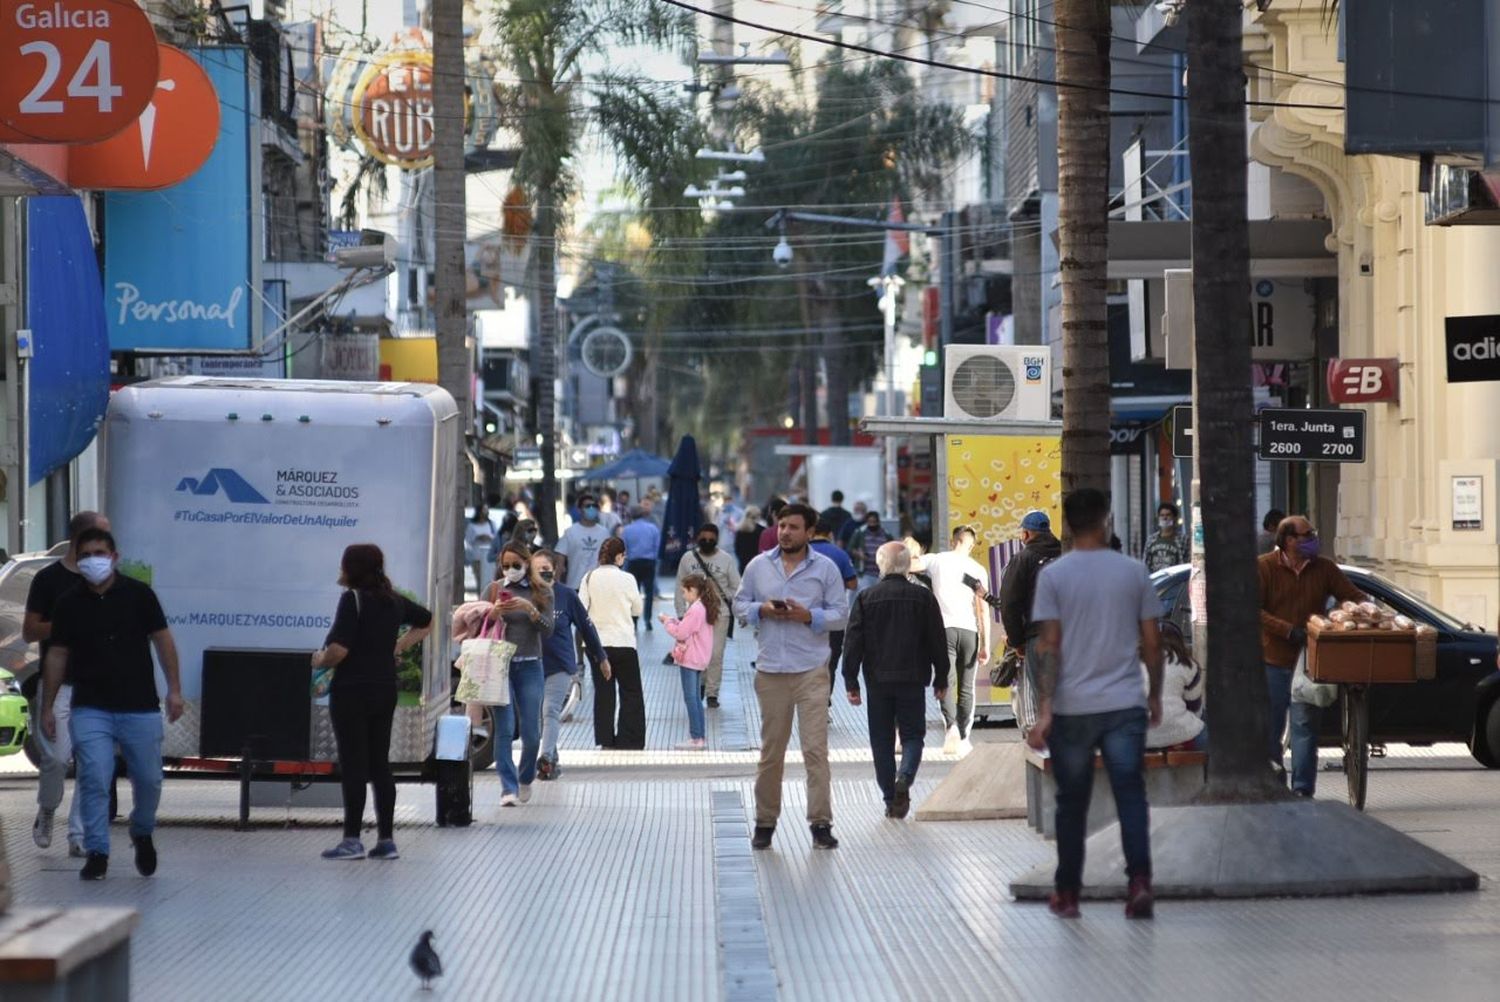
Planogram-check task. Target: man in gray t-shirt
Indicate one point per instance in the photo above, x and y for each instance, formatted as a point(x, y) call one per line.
point(1098, 616)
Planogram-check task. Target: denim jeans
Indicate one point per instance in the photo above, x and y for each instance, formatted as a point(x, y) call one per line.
point(1305, 720)
point(644, 572)
point(526, 686)
point(1120, 737)
point(95, 734)
point(55, 756)
point(691, 680)
point(888, 708)
point(555, 695)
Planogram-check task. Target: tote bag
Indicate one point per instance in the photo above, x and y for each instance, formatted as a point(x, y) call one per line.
point(484, 667)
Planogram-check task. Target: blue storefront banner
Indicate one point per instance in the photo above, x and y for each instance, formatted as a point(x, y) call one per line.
point(180, 264)
point(68, 384)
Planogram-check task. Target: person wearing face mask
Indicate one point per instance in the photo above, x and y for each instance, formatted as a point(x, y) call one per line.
point(614, 603)
point(560, 658)
point(722, 571)
point(1168, 547)
point(579, 546)
point(1296, 582)
point(103, 632)
point(525, 601)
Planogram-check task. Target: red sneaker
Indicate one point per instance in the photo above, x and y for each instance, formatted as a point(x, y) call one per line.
point(1064, 904)
point(1138, 900)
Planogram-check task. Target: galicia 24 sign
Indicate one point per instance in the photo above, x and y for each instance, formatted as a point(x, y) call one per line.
point(1473, 349)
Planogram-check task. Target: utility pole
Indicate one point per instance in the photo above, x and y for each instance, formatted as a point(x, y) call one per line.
point(455, 359)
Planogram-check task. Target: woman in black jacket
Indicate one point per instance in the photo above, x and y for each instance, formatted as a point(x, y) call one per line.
point(362, 647)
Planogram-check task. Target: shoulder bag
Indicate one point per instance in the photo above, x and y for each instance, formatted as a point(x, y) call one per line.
point(484, 666)
point(726, 607)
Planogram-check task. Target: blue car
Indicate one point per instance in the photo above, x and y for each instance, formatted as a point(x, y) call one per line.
point(1461, 704)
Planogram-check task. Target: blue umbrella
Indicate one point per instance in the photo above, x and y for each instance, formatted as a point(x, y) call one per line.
point(635, 464)
point(684, 511)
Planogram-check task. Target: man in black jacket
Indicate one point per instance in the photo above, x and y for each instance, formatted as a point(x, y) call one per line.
point(1017, 588)
point(896, 633)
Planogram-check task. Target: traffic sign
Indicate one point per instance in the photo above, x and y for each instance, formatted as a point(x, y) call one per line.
point(1312, 436)
point(74, 71)
point(1182, 431)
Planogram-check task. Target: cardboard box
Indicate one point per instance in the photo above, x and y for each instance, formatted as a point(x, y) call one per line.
point(1364, 657)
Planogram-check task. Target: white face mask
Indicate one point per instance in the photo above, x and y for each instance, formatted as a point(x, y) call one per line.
point(513, 575)
point(97, 569)
point(1166, 521)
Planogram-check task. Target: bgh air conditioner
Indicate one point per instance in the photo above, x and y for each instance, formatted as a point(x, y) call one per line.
point(997, 382)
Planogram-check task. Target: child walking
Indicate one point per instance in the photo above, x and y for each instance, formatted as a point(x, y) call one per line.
point(694, 634)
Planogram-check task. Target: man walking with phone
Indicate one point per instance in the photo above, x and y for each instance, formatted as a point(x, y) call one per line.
point(1098, 613)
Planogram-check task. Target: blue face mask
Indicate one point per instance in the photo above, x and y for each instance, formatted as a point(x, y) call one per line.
point(591, 513)
point(1309, 548)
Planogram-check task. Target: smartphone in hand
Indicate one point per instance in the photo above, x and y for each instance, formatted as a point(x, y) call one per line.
point(778, 604)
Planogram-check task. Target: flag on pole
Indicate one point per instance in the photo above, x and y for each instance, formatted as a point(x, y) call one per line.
point(897, 242)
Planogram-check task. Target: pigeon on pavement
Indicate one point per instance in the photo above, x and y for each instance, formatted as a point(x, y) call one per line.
point(424, 961)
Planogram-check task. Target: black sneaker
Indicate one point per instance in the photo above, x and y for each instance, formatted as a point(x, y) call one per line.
point(713, 702)
point(544, 768)
point(145, 855)
point(823, 837)
point(762, 837)
point(901, 802)
point(889, 810)
point(95, 867)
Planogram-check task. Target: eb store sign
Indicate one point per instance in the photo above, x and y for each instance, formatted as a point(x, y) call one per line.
point(1473, 348)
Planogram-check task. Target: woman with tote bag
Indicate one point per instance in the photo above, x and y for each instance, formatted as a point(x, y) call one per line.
point(524, 601)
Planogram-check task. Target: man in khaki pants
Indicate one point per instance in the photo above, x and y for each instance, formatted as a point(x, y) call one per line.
point(794, 597)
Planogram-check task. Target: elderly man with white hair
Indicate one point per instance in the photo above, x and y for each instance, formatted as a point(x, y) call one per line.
point(896, 635)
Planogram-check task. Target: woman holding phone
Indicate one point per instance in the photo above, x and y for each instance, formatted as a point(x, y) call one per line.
point(524, 601)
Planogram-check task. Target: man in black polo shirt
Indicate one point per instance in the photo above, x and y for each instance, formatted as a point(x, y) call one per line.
point(102, 634)
point(49, 585)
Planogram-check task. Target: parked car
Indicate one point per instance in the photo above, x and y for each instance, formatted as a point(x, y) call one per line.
point(17, 657)
point(1461, 704)
point(14, 724)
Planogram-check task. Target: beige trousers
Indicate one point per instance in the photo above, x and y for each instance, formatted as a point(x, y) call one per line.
point(780, 696)
point(714, 673)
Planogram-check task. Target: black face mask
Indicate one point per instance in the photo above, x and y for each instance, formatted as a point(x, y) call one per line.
point(548, 576)
point(708, 544)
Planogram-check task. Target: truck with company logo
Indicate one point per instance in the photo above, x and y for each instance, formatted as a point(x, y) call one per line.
point(234, 499)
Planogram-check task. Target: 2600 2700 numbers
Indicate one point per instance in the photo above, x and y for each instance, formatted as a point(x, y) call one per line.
point(1284, 448)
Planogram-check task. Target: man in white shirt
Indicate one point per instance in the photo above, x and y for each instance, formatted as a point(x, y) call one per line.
point(958, 581)
point(579, 546)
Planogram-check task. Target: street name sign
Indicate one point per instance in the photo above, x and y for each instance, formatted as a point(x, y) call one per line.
point(1312, 436)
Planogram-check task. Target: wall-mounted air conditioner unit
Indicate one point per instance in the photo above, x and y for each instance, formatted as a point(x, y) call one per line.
point(998, 382)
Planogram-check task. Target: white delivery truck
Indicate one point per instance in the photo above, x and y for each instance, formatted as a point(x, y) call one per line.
point(234, 499)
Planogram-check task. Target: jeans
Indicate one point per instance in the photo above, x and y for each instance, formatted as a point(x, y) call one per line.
point(1120, 737)
point(362, 718)
point(835, 651)
point(526, 686)
point(644, 572)
point(890, 707)
point(958, 703)
point(95, 734)
point(1305, 720)
point(625, 675)
point(690, 683)
point(55, 755)
point(554, 695)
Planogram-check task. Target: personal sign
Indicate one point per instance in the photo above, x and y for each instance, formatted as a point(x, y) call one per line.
point(74, 71)
point(1312, 436)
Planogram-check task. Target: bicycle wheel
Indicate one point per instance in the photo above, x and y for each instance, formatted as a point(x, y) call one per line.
point(1356, 713)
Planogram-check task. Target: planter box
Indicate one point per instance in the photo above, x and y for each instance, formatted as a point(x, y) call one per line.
point(1364, 657)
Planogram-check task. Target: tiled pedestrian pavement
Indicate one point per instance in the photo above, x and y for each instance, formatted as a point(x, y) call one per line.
point(627, 880)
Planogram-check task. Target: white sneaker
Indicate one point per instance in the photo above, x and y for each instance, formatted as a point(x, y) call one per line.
point(75, 850)
point(950, 741)
point(964, 747)
point(525, 795)
point(41, 829)
point(509, 800)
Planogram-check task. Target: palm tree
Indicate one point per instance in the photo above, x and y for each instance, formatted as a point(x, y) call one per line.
point(1237, 764)
point(546, 43)
point(1083, 43)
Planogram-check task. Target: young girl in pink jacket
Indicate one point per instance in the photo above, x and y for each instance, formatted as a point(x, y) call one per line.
point(694, 634)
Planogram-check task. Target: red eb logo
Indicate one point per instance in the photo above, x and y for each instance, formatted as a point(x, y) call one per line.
point(1364, 380)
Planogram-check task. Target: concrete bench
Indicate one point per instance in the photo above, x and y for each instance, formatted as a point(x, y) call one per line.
point(61, 955)
point(1173, 778)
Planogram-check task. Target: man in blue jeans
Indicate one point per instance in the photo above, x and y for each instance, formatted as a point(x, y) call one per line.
point(103, 631)
point(1098, 616)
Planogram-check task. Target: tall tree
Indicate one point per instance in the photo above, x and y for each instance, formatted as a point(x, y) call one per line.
point(1083, 41)
point(455, 364)
point(546, 42)
point(1237, 763)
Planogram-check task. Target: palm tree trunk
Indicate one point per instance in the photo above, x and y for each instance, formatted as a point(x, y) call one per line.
point(1083, 38)
point(1237, 760)
point(835, 361)
point(544, 253)
point(455, 363)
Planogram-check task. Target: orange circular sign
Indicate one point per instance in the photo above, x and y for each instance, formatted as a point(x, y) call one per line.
point(393, 114)
point(74, 70)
